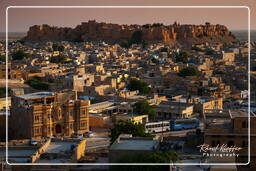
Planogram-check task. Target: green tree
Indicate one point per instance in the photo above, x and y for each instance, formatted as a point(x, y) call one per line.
point(3, 92)
point(157, 24)
point(210, 52)
point(219, 72)
point(38, 84)
point(20, 55)
point(61, 48)
point(2, 58)
point(181, 57)
point(56, 47)
point(128, 127)
point(146, 25)
point(136, 84)
point(144, 44)
point(189, 71)
point(125, 44)
point(142, 107)
point(154, 60)
point(154, 157)
point(58, 59)
point(136, 37)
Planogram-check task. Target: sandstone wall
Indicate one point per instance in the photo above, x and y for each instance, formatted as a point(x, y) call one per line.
point(114, 33)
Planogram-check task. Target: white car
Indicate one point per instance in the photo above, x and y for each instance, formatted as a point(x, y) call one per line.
point(33, 142)
point(88, 134)
point(80, 136)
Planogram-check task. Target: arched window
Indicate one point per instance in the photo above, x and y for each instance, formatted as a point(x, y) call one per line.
point(213, 143)
point(218, 142)
point(230, 143)
point(244, 144)
point(58, 128)
point(244, 124)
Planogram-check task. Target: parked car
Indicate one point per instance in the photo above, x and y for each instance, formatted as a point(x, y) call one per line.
point(77, 135)
point(88, 134)
point(33, 142)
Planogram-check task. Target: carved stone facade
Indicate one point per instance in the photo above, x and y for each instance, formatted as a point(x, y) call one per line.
point(44, 114)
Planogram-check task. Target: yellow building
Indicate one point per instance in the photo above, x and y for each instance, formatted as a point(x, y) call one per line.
point(44, 114)
point(133, 117)
point(3, 71)
point(173, 110)
point(3, 103)
point(231, 128)
point(206, 103)
point(100, 121)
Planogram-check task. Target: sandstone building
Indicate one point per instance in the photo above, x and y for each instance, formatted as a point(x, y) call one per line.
point(44, 114)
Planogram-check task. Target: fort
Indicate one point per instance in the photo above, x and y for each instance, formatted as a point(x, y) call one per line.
point(174, 34)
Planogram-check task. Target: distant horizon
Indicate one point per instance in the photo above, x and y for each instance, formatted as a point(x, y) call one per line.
point(27, 31)
point(72, 27)
point(171, 23)
point(20, 19)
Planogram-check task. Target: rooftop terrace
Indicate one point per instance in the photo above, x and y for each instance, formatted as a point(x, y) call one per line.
point(36, 95)
point(134, 143)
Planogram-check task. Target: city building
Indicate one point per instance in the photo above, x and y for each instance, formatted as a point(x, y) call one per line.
point(126, 145)
point(44, 114)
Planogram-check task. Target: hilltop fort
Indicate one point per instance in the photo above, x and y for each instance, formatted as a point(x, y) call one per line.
point(116, 33)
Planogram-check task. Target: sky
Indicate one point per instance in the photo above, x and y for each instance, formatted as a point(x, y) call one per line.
point(21, 19)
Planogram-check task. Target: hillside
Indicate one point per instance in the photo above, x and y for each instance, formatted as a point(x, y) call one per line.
point(115, 33)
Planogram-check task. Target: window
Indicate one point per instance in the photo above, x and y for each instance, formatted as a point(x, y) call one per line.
point(244, 124)
point(244, 144)
point(59, 113)
point(36, 118)
point(83, 124)
point(82, 112)
point(213, 143)
point(230, 143)
point(71, 113)
point(37, 131)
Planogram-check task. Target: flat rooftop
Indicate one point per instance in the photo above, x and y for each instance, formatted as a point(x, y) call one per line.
point(228, 114)
point(175, 104)
point(134, 144)
point(101, 104)
point(130, 115)
point(18, 155)
point(98, 115)
point(36, 95)
point(219, 123)
point(19, 151)
point(59, 146)
point(136, 97)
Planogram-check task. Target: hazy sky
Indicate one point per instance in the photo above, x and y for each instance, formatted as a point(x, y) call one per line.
point(21, 19)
